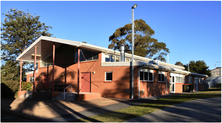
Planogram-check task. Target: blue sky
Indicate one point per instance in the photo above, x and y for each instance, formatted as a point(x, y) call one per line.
point(190, 29)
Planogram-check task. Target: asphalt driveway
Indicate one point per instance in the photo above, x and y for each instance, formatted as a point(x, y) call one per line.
point(201, 110)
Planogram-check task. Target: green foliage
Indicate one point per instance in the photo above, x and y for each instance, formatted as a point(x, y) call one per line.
point(144, 44)
point(10, 71)
point(179, 63)
point(19, 30)
point(198, 67)
point(26, 86)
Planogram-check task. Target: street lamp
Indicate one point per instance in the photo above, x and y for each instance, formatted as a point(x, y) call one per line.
point(133, 7)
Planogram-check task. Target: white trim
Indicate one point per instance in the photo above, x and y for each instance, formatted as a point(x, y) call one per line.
point(174, 74)
point(30, 72)
point(30, 78)
point(161, 72)
point(189, 77)
point(109, 72)
point(57, 40)
point(172, 83)
point(148, 71)
point(93, 47)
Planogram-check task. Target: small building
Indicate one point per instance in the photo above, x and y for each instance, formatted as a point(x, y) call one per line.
point(216, 72)
point(91, 71)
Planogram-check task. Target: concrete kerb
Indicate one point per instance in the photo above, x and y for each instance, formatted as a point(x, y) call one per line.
point(94, 111)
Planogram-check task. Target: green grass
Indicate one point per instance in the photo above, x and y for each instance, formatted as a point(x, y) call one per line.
point(145, 108)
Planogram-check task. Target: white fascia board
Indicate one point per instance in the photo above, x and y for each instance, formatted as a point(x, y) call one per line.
point(57, 40)
point(176, 74)
point(98, 48)
point(198, 74)
point(29, 48)
point(115, 64)
point(62, 41)
point(120, 63)
point(171, 65)
point(179, 71)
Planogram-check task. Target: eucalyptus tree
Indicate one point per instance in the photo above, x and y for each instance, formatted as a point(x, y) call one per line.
point(144, 44)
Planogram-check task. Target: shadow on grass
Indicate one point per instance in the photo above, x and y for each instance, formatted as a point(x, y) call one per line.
point(149, 106)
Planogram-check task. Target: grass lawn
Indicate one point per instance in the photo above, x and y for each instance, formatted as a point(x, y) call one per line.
point(145, 108)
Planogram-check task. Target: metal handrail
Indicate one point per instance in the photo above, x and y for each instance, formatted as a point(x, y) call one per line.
point(65, 89)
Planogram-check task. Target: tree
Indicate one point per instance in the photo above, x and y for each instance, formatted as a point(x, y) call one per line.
point(18, 31)
point(198, 67)
point(145, 45)
point(179, 63)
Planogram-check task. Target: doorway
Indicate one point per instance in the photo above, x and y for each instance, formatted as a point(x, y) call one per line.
point(85, 82)
point(172, 84)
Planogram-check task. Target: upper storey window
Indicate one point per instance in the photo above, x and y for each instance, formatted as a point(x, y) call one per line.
point(86, 55)
point(112, 58)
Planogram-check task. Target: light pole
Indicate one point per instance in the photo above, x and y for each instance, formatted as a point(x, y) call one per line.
point(188, 65)
point(133, 7)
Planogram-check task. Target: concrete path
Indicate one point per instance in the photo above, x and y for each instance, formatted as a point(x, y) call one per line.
point(59, 110)
point(201, 110)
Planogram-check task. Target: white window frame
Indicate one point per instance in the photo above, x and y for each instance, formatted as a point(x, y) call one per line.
point(30, 79)
point(161, 72)
point(181, 78)
point(190, 80)
point(109, 72)
point(148, 71)
point(110, 56)
point(199, 80)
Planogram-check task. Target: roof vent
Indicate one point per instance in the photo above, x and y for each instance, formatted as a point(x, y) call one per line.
point(154, 62)
point(122, 54)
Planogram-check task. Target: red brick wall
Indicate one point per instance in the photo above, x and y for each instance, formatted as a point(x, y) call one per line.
point(119, 87)
point(154, 88)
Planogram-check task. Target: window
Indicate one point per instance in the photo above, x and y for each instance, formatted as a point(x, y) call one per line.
point(161, 77)
point(199, 80)
point(87, 55)
point(31, 79)
point(109, 76)
point(179, 79)
point(113, 58)
point(109, 58)
point(171, 78)
point(146, 75)
point(190, 79)
point(117, 59)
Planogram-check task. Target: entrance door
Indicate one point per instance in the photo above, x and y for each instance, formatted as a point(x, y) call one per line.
point(172, 84)
point(85, 82)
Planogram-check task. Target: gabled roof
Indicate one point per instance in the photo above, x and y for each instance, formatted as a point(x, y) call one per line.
point(44, 49)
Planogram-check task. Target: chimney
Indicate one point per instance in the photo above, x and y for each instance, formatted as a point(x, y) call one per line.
point(122, 54)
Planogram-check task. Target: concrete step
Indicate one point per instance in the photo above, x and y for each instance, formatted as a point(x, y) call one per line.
point(27, 95)
point(68, 96)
